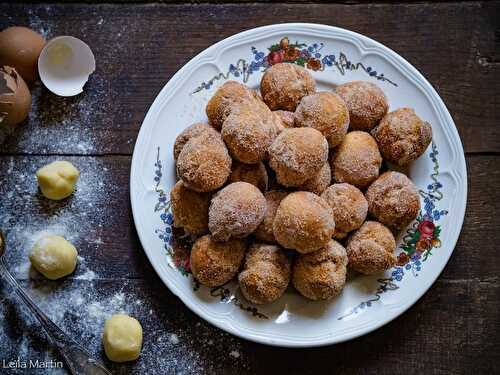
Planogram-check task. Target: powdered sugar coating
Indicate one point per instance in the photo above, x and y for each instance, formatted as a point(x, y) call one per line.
point(319, 182)
point(366, 102)
point(225, 99)
point(204, 164)
point(248, 132)
point(190, 209)
point(356, 160)
point(321, 275)
point(297, 155)
point(349, 207)
point(287, 118)
point(371, 248)
point(303, 222)
point(264, 231)
point(284, 85)
point(255, 174)
point(215, 263)
point(393, 199)
point(402, 136)
point(266, 273)
point(326, 112)
point(194, 130)
point(236, 211)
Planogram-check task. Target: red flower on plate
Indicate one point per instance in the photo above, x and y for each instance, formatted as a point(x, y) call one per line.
point(426, 229)
point(403, 258)
point(275, 57)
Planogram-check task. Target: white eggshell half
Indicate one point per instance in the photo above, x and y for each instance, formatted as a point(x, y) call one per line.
point(65, 65)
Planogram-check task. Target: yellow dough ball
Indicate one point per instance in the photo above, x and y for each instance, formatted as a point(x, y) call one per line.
point(53, 257)
point(122, 338)
point(57, 180)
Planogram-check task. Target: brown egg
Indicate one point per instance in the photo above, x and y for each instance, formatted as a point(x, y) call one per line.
point(20, 48)
point(15, 100)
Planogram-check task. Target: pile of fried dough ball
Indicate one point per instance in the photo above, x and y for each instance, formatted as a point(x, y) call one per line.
point(285, 185)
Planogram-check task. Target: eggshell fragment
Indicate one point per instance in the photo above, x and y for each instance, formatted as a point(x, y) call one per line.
point(65, 65)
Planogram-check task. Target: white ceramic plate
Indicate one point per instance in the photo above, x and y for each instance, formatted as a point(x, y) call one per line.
point(333, 56)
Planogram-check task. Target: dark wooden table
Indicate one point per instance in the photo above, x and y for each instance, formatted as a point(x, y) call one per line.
point(453, 329)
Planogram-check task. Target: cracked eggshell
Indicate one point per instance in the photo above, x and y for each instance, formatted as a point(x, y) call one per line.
point(15, 99)
point(65, 65)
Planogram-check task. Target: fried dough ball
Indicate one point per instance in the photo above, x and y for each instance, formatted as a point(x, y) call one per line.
point(393, 200)
point(326, 112)
point(204, 164)
point(266, 273)
point(349, 207)
point(321, 275)
point(287, 118)
point(264, 231)
point(303, 222)
point(225, 99)
point(297, 155)
point(357, 160)
point(371, 248)
point(215, 263)
point(402, 136)
point(248, 132)
point(255, 174)
point(195, 130)
point(318, 183)
point(284, 85)
point(236, 211)
point(190, 209)
point(366, 102)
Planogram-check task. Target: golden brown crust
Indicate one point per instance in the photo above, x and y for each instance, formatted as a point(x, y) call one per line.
point(225, 99)
point(366, 102)
point(264, 231)
point(326, 112)
point(356, 160)
point(194, 130)
point(255, 174)
point(266, 273)
point(190, 209)
point(349, 207)
point(236, 211)
point(298, 154)
point(402, 136)
point(215, 263)
point(321, 275)
point(371, 248)
point(393, 200)
point(319, 182)
point(287, 118)
point(284, 85)
point(303, 222)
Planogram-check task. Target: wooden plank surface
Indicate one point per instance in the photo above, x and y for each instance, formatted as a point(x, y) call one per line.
point(453, 329)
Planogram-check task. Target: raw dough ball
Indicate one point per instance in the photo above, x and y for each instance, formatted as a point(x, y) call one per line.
point(321, 275)
point(190, 209)
point(287, 118)
point(204, 164)
point(57, 180)
point(297, 155)
point(122, 338)
point(357, 160)
point(303, 222)
point(284, 85)
point(349, 207)
point(264, 231)
point(236, 211)
point(53, 257)
point(326, 112)
point(248, 132)
point(215, 263)
point(402, 136)
point(318, 183)
point(225, 99)
point(366, 102)
point(371, 248)
point(393, 200)
point(254, 174)
point(266, 273)
point(195, 130)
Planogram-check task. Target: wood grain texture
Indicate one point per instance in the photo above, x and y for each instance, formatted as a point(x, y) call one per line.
point(139, 47)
